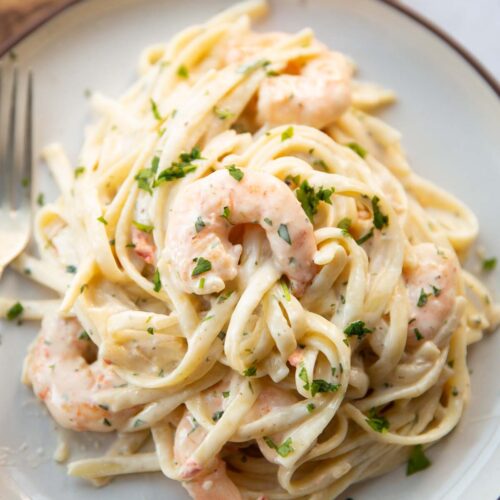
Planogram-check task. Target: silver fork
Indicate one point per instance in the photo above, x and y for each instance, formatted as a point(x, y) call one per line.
point(16, 170)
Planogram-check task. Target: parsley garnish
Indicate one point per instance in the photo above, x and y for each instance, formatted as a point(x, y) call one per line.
point(345, 225)
point(217, 415)
point(143, 227)
point(199, 224)
point(71, 269)
point(102, 220)
point(268, 221)
point(284, 234)
point(320, 385)
point(489, 264)
point(235, 172)
point(283, 450)
point(379, 219)
point(361, 151)
point(287, 134)
point(358, 329)
point(107, 422)
point(150, 330)
point(222, 114)
point(182, 71)
point(226, 213)
point(417, 333)
point(377, 422)
point(286, 291)
point(223, 297)
point(84, 336)
point(201, 285)
point(154, 109)
point(366, 237)
point(156, 281)
point(79, 171)
point(310, 407)
point(202, 266)
point(250, 372)
point(417, 461)
point(145, 177)
point(40, 200)
point(309, 198)
point(15, 311)
point(303, 376)
point(180, 168)
point(422, 299)
point(225, 394)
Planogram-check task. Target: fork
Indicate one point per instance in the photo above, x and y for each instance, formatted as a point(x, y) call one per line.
point(16, 170)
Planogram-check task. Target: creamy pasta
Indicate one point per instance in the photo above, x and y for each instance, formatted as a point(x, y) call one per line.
point(251, 276)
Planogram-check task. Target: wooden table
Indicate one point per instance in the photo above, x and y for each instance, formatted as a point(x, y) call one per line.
point(19, 16)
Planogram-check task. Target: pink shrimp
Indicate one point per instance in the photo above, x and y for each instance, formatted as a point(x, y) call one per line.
point(315, 97)
point(144, 246)
point(211, 483)
point(204, 213)
point(431, 283)
point(59, 370)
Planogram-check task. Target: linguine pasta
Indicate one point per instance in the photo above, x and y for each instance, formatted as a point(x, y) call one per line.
point(251, 275)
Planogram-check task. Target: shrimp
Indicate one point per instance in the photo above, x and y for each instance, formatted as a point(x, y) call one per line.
point(201, 484)
point(432, 284)
point(315, 97)
point(58, 369)
point(204, 213)
point(144, 246)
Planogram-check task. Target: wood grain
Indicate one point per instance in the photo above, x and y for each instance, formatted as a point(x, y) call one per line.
point(18, 17)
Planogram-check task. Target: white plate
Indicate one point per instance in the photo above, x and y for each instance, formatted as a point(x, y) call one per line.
point(450, 120)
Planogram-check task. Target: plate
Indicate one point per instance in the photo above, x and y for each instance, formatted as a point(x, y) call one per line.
point(449, 117)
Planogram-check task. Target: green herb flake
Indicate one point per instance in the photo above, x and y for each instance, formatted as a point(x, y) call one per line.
point(417, 461)
point(422, 299)
point(268, 221)
point(180, 168)
point(303, 376)
point(71, 269)
point(489, 264)
point(201, 285)
point(358, 329)
point(199, 224)
point(311, 407)
point(320, 385)
point(79, 171)
point(250, 372)
point(143, 227)
point(284, 234)
point(107, 422)
point(182, 71)
point(235, 172)
point(345, 225)
point(102, 220)
point(15, 311)
point(379, 219)
point(40, 200)
point(417, 333)
point(155, 110)
point(365, 237)
point(226, 213)
point(287, 134)
point(138, 423)
point(222, 113)
point(223, 297)
point(156, 281)
point(286, 291)
point(151, 330)
point(309, 198)
point(84, 336)
point(217, 415)
point(361, 151)
point(202, 266)
point(145, 177)
point(283, 450)
point(377, 422)
point(226, 394)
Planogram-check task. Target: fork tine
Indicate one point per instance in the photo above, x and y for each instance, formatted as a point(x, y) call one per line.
point(27, 162)
point(11, 137)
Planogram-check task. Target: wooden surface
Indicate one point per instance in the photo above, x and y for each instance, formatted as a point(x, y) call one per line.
point(19, 16)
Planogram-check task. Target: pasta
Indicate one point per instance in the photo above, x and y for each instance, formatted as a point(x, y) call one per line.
point(251, 276)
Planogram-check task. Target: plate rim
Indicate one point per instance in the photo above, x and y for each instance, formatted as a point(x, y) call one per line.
point(410, 13)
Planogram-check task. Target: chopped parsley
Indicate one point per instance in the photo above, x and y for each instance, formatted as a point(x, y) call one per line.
point(222, 113)
point(79, 171)
point(309, 198)
point(84, 336)
point(156, 281)
point(143, 227)
point(379, 219)
point(417, 461)
point(225, 394)
point(320, 385)
point(201, 285)
point(377, 422)
point(102, 220)
point(365, 237)
point(360, 150)
point(40, 200)
point(358, 329)
point(226, 213)
point(311, 407)
point(287, 134)
point(283, 450)
point(106, 422)
point(436, 291)
point(345, 225)
point(223, 297)
point(150, 330)
point(250, 372)
point(145, 177)
point(284, 234)
point(217, 415)
point(180, 168)
point(15, 311)
point(235, 172)
point(138, 423)
point(202, 266)
point(199, 224)
point(182, 71)
point(268, 221)
point(489, 264)
point(154, 109)
point(286, 291)
point(422, 299)
point(417, 333)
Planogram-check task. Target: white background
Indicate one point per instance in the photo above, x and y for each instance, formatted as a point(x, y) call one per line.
point(473, 23)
